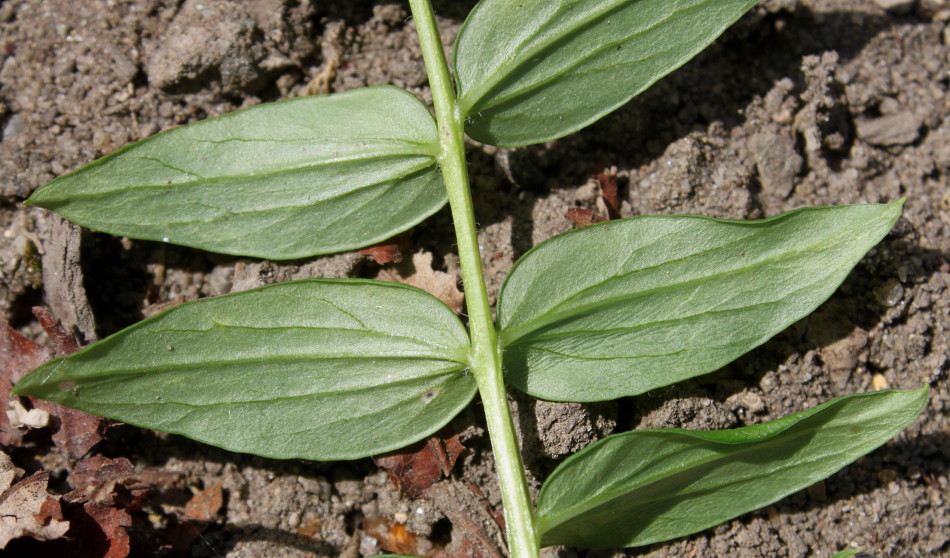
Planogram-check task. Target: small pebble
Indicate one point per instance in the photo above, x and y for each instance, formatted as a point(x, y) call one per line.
point(899, 128)
point(887, 475)
point(895, 6)
point(879, 382)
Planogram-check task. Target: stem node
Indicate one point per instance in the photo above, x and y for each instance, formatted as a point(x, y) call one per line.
point(523, 541)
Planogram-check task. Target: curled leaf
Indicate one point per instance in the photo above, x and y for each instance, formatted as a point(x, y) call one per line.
point(26, 508)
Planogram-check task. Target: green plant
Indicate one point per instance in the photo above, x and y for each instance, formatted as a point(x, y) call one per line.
point(339, 369)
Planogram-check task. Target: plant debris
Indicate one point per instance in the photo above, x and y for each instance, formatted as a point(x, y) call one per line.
point(440, 284)
point(416, 468)
point(581, 217)
point(383, 253)
point(610, 193)
point(26, 508)
point(394, 537)
point(205, 504)
point(74, 432)
point(18, 355)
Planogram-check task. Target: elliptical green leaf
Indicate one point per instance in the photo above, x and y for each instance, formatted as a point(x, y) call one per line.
point(627, 306)
point(649, 486)
point(339, 172)
point(536, 70)
point(318, 369)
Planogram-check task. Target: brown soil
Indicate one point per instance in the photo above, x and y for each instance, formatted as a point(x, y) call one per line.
point(804, 102)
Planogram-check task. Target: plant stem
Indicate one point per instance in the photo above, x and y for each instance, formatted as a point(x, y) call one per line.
point(485, 356)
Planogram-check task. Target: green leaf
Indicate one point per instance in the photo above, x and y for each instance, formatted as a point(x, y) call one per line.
point(536, 70)
point(627, 306)
point(847, 553)
point(648, 486)
point(307, 176)
point(317, 369)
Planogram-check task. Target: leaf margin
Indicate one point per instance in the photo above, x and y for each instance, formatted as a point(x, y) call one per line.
point(53, 195)
point(917, 400)
point(26, 386)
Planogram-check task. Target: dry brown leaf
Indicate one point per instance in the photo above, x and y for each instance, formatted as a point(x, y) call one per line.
point(61, 342)
point(74, 432)
point(440, 284)
point(205, 504)
point(477, 528)
point(18, 355)
point(393, 537)
point(113, 522)
point(416, 468)
point(609, 192)
point(115, 482)
point(26, 508)
point(8, 471)
point(383, 253)
point(97, 477)
point(106, 491)
point(579, 216)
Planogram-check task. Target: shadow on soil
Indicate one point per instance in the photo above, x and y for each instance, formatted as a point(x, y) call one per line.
point(692, 97)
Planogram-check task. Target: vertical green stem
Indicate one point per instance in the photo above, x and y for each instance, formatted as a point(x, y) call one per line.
point(486, 352)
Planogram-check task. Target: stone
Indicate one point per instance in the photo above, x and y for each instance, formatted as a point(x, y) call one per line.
point(896, 6)
point(209, 45)
point(899, 128)
point(777, 161)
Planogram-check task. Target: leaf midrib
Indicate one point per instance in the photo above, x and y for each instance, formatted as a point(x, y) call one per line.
point(509, 336)
point(583, 508)
point(226, 178)
point(449, 373)
point(468, 100)
point(569, 71)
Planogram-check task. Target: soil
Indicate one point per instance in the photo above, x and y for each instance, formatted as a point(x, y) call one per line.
point(802, 103)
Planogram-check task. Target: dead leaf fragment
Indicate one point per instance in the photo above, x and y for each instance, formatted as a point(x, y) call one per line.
point(19, 416)
point(115, 482)
point(113, 522)
point(106, 491)
point(393, 537)
point(205, 504)
point(97, 476)
point(74, 432)
point(8, 471)
point(440, 284)
point(61, 342)
point(28, 510)
point(309, 527)
point(610, 193)
point(18, 356)
point(414, 469)
point(383, 253)
point(477, 528)
point(579, 216)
